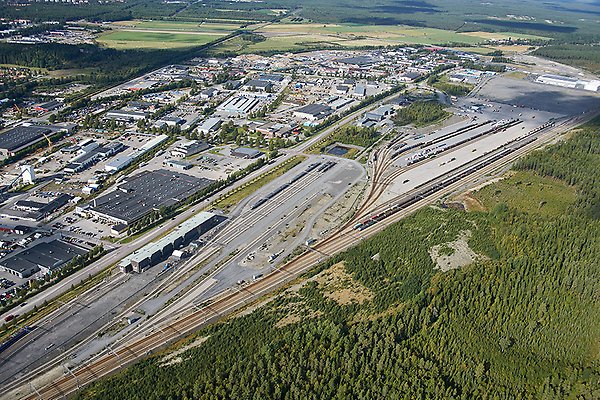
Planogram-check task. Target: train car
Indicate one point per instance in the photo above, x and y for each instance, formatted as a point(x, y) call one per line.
point(14, 338)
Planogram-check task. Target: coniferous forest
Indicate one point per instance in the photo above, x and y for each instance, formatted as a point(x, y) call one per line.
point(519, 322)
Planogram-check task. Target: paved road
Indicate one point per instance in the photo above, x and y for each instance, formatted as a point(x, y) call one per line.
point(126, 249)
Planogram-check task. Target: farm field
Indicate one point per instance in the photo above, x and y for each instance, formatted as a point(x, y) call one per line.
point(123, 39)
point(288, 36)
point(177, 26)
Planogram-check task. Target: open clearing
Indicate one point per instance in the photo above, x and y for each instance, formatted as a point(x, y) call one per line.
point(528, 192)
point(124, 39)
point(184, 27)
point(163, 34)
point(294, 36)
point(454, 254)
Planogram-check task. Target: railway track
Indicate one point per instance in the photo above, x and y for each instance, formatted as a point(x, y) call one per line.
point(115, 359)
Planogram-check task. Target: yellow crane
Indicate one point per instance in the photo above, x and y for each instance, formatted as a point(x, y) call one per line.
point(49, 141)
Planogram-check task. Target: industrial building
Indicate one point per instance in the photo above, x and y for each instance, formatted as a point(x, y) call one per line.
point(568, 82)
point(157, 251)
point(37, 210)
point(313, 112)
point(210, 125)
point(245, 152)
point(208, 93)
point(126, 116)
point(46, 257)
point(49, 106)
point(20, 137)
point(360, 91)
point(339, 103)
point(190, 148)
point(380, 113)
point(141, 194)
point(238, 105)
point(275, 78)
point(169, 121)
point(256, 85)
point(409, 76)
point(275, 129)
point(118, 163)
point(90, 154)
point(178, 164)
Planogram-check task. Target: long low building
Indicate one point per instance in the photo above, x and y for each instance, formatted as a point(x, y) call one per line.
point(157, 251)
point(20, 137)
point(239, 105)
point(569, 82)
point(118, 163)
point(313, 112)
point(141, 194)
point(46, 257)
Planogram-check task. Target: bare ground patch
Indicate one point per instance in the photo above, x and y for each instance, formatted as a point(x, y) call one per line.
point(455, 254)
point(175, 357)
point(339, 286)
point(336, 284)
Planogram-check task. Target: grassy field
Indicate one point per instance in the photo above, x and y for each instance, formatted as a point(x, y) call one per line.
point(177, 26)
point(123, 39)
point(528, 192)
point(295, 36)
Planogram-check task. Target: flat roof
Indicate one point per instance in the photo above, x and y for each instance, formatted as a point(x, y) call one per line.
point(20, 136)
point(558, 78)
point(313, 109)
point(257, 83)
point(246, 151)
point(147, 191)
point(50, 255)
point(179, 231)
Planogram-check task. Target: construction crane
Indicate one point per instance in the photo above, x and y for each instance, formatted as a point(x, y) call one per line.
point(49, 141)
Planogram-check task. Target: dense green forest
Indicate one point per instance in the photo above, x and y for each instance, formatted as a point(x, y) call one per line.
point(354, 135)
point(580, 55)
point(521, 321)
point(577, 17)
point(104, 64)
point(421, 113)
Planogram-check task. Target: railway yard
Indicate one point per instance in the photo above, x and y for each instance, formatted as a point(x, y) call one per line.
point(269, 238)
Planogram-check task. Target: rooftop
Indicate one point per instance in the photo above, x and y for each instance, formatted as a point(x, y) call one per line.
point(20, 136)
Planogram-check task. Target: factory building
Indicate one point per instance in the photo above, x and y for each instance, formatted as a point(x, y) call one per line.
point(360, 91)
point(380, 113)
point(190, 148)
point(568, 82)
point(126, 116)
point(143, 193)
point(245, 152)
point(208, 93)
point(46, 257)
point(157, 251)
point(238, 105)
point(90, 154)
point(313, 112)
point(274, 78)
point(36, 210)
point(20, 137)
point(178, 164)
point(255, 85)
point(118, 163)
point(210, 125)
